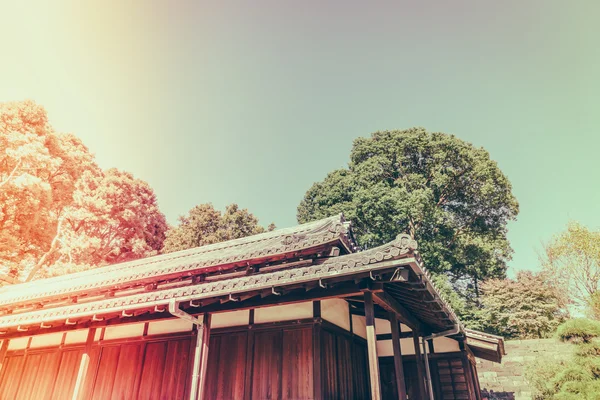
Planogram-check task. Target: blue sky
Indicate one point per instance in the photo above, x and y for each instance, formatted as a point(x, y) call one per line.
point(252, 102)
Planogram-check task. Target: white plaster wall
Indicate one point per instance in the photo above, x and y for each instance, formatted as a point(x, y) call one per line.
point(123, 331)
point(407, 346)
point(283, 313)
point(382, 326)
point(404, 328)
point(337, 312)
point(50, 339)
point(79, 336)
point(445, 345)
point(233, 318)
point(169, 326)
point(384, 348)
point(18, 343)
point(359, 326)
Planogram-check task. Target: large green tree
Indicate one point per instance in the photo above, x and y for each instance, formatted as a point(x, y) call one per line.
point(443, 191)
point(205, 225)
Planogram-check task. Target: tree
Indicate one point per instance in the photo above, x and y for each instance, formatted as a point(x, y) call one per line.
point(113, 218)
point(524, 308)
point(594, 306)
point(572, 258)
point(58, 210)
point(450, 196)
point(38, 171)
point(204, 225)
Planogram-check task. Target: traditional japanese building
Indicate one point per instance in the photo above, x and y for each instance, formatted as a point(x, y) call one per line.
point(295, 313)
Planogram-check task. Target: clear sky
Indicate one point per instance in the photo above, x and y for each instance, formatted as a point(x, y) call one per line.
point(253, 101)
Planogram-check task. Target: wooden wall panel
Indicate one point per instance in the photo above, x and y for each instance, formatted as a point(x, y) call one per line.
point(46, 376)
point(453, 380)
point(227, 366)
point(128, 371)
point(297, 372)
point(154, 362)
point(344, 368)
point(329, 365)
point(107, 370)
point(11, 378)
point(177, 370)
point(29, 376)
point(360, 371)
point(67, 374)
point(266, 365)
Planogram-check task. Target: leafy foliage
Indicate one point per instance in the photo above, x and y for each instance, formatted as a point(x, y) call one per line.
point(38, 171)
point(443, 191)
point(573, 258)
point(527, 307)
point(578, 330)
point(204, 225)
point(575, 378)
point(58, 208)
point(593, 306)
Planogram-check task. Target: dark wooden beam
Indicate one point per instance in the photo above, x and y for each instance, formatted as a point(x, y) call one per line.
point(388, 336)
point(398, 366)
point(391, 305)
point(372, 347)
point(420, 366)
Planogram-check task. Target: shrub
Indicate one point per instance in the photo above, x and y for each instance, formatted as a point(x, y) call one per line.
point(591, 349)
point(579, 330)
point(591, 364)
point(587, 390)
point(573, 373)
point(540, 374)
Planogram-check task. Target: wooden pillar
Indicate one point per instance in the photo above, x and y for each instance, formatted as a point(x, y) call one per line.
point(468, 371)
point(205, 335)
point(398, 366)
point(317, 351)
point(83, 366)
point(419, 358)
point(372, 347)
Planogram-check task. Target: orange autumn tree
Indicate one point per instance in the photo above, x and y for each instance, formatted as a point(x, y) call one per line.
point(42, 218)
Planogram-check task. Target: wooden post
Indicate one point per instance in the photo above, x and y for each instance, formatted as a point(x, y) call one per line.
point(398, 366)
point(372, 347)
point(83, 366)
point(419, 359)
point(468, 371)
point(317, 351)
point(204, 360)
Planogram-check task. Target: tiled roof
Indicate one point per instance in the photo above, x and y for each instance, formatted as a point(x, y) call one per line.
point(269, 244)
point(335, 267)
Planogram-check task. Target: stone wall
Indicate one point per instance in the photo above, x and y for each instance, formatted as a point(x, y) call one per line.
point(507, 380)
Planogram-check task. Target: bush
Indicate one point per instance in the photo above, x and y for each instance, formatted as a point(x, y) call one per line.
point(591, 364)
point(588, 390)
point(540, 374)
point(579, 330)
point(573, 373)
point(591, 349)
